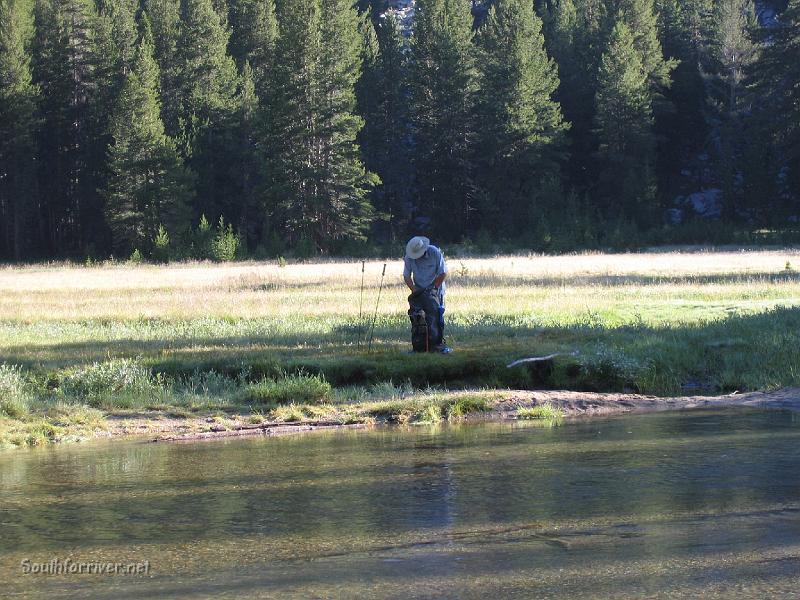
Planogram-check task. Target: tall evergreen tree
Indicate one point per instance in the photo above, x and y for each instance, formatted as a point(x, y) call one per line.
point(255, 29)
point(444, 83)
point(164, 16)
point(682, 132)
point(246, 208)
point(574, 37)
point(319, 186)
point(18, 124)
point(776, 78)
point(148, 186)
point(207, 83)
point(640, 17)
point(72, 70)
point(522, 129)
point(624, 123)
point(731, 52)
point(385, 138)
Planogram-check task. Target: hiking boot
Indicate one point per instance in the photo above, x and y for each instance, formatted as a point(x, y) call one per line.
point(442, 349)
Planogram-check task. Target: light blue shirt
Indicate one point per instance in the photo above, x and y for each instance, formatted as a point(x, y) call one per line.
point(426, 268)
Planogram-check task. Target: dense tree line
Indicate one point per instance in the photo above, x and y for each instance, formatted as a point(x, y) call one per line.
point(311, 126)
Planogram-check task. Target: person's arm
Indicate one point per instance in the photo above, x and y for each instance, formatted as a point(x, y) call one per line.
point(407, 274)
point(442, 270)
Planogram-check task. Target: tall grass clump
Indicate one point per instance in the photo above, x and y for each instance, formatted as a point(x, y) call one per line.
point(545, 412)
point(300, 388)
point(118, 383)
point(463, 406)
point(16, 396)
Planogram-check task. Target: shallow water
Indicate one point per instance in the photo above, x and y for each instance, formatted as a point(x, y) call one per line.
point(654, 505)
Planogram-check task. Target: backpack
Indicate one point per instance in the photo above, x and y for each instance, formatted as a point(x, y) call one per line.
point(420, 337)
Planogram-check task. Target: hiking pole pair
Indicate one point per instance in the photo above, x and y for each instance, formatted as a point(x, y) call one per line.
point(377, 302)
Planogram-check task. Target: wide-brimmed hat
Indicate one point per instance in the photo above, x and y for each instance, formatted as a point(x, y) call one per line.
point(417, 246)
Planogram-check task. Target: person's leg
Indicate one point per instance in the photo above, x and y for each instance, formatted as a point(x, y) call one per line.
point(430, 304)
point(441, 319)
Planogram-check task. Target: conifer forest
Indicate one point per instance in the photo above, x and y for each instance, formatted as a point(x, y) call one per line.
point(169, 129)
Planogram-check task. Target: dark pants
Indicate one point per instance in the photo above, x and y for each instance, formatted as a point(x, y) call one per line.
point(433, 304)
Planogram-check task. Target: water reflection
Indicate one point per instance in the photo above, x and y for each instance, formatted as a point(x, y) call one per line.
point(639, 505)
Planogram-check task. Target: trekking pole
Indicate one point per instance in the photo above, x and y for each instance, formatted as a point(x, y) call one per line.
point(374, 318)
point(360, 306)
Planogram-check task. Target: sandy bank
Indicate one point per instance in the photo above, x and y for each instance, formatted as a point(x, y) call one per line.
point(504, 406)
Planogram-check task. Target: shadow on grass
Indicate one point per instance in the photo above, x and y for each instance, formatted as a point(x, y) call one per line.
point(740, 352)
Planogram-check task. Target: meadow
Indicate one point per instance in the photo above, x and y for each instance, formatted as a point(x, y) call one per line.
point(272, 339)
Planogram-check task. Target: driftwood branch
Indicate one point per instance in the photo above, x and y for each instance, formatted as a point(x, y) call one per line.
point(540, 358)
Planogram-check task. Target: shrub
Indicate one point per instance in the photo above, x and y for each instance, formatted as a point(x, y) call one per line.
point(135, 257)
point(226, 243)
point(15, 392)
point(120, 383)
point(300, 388)
point(161, 249)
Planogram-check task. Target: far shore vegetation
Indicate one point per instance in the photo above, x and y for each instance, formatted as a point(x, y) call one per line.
point(277, 341)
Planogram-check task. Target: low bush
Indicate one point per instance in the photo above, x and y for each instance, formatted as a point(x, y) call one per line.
point(118, 383)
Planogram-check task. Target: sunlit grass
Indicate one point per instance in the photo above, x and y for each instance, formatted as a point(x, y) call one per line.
point(544, 411)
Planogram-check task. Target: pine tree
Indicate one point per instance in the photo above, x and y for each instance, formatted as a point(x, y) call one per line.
point(640, 17)
point(624, 123)
point(255, 29)
point(164, 16)
point(318, 185)
point(120, 16)
point(382, 101)
point(245, 206)
point(682, 132)
point(732, 50)
point(575, 39)
point(149, 187)
point(70, 67)
point(522, 131)
point(444, 83)
point(731, 53)
point(776, 79)
point(207, 83)
point(18, 124)
point(207, 75)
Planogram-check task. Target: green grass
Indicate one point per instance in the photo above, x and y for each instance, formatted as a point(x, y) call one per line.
point(254, 338)
point(545, 411)
point(289, 388)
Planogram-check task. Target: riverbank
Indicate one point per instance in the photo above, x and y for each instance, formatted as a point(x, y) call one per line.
point(487, 406)
point(547, 407)
point(85, 350)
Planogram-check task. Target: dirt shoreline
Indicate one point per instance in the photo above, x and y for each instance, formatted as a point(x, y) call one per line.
point(505, 406)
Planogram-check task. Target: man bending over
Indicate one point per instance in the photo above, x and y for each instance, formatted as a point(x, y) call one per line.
point(424, 274)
